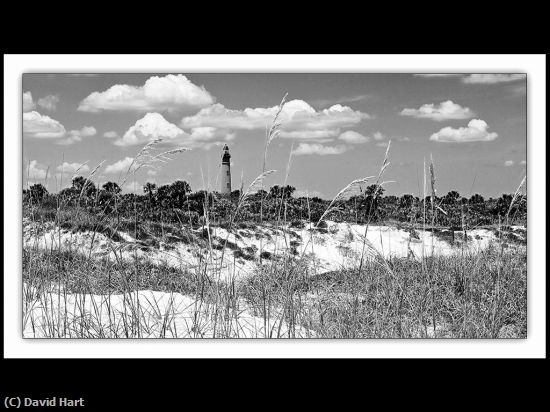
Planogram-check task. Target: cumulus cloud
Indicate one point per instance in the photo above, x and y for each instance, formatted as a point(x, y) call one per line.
point(491, 78)
point(318, 149)
point(299, 119)
point(379, 136)
point(70, 168)
point(154, 126)
point(169, 93)
point(509, 163)
point(444, 111)
point(207, 137)
point(150, 127)
point(41, 126)
point(35, 171)
point(28, 103)
point(110, 135)
point(120, 166)
point(76, 135)
point(353, 137)
point(317, 135)
point(49, 102)
point(476, 131)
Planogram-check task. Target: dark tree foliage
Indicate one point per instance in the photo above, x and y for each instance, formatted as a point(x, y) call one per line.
point(281, 191)
point(37, 192)
point(111, 187)
point(177, 203)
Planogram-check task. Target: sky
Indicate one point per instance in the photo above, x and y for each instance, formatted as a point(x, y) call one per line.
point(335, 128)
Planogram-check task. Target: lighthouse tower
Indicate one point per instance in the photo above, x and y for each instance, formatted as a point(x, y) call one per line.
point(226, 172)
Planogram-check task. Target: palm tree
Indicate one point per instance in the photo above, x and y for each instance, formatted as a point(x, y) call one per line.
point(372, 194)
point(84, 186)
point(150, 189)
point(178, 190)
point(112, 187)
point(476, 199)
point(451, 198)
point(163, 195)
point(37, 192)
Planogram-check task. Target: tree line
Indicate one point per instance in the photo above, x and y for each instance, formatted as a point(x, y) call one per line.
point(176, 202)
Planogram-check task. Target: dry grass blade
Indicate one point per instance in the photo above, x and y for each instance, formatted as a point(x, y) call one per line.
point(146, 159)
point(256, 183)
point(432, 180)
point(80, 167)
point(514, 198)
point(274, 130)
point(89, 179)
point(341, 194)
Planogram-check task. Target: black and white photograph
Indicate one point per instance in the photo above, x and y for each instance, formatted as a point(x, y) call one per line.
point(274, 205)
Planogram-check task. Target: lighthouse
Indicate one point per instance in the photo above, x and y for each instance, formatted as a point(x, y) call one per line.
point(226, 172)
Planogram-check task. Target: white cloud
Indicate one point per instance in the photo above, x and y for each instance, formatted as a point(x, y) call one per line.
point(49, 102)
point(475, 132)
point(120, 166)
point(356, 138)
point(28, 104)
point(317, 135)
point(207, 137)
point(523, 163)
point(489, 78)
point(35, 171)
point(110, 135)
point(151, 172)
point(318, 149)
point(298, 119)
point(509, 163)
point(209, 133)
point(70, 168)
point(353, 137)
point(154, 126)
point(168, 93)
point(76, 135)
point(42, 126)
point(150, 127)
point(444, 111)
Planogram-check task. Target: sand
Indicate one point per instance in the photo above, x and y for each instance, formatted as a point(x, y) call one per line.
point(341, 245)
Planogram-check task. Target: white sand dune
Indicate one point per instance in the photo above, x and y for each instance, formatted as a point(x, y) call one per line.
point(53, 313)
point(159, 315)
point(341, 245)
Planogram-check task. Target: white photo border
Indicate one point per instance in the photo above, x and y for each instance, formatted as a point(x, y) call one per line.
point(532, 347)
